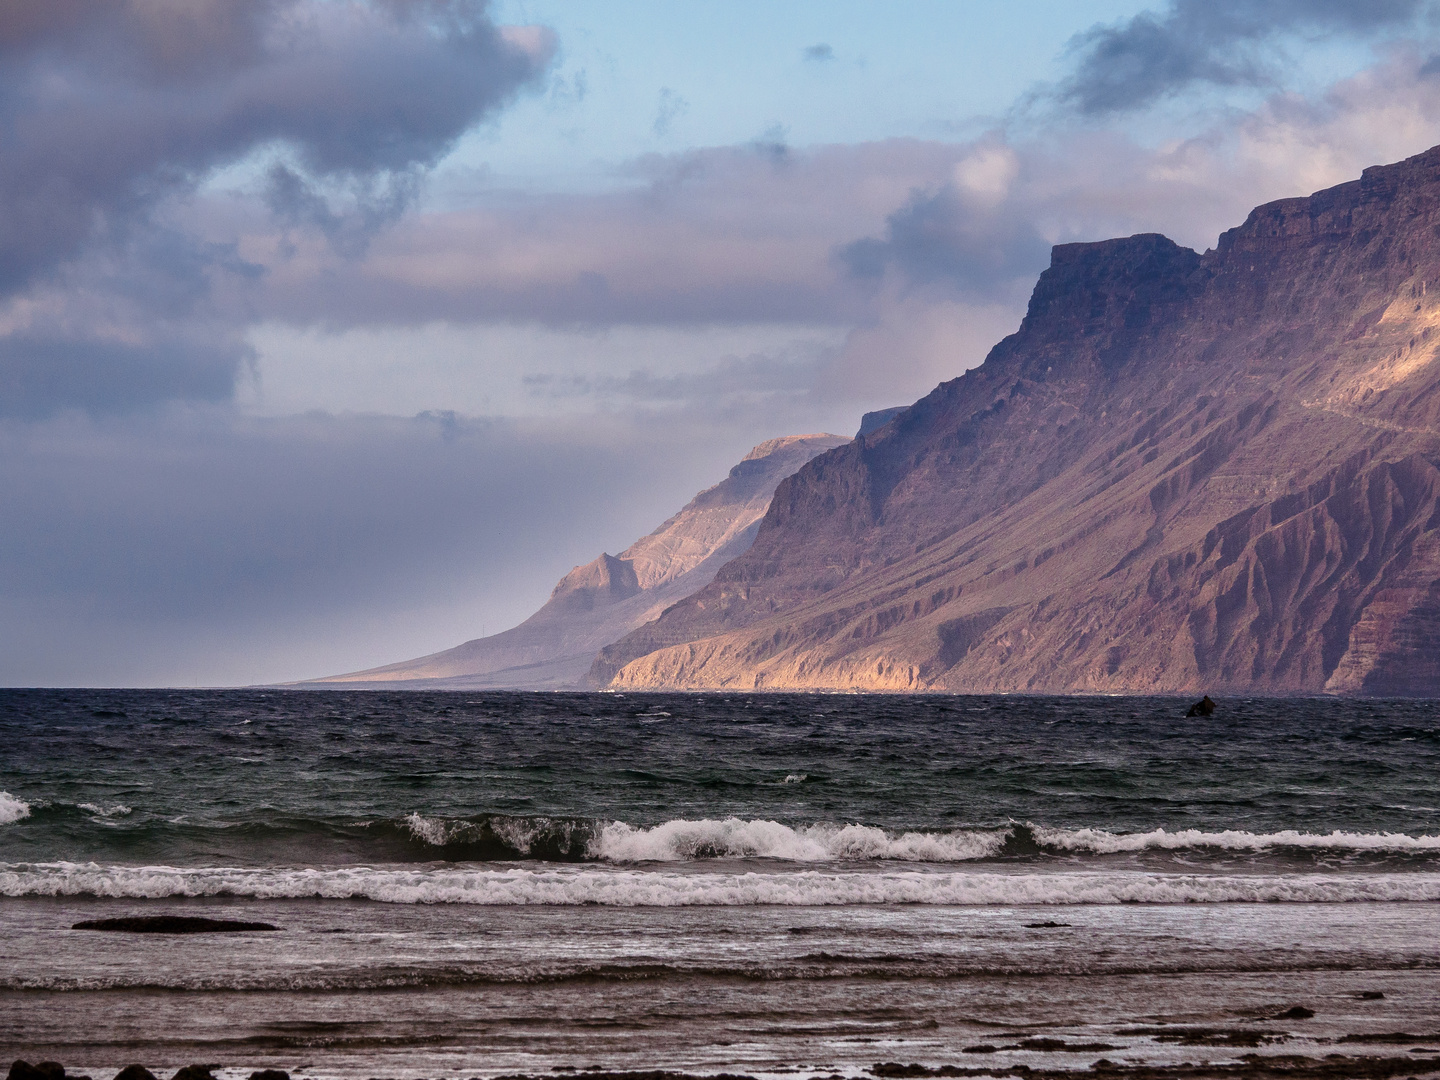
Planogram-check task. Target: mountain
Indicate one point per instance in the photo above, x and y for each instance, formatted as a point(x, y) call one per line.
point(603, 600)
point(1183, 473)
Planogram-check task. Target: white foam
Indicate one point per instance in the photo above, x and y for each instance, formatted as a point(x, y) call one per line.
point(1100, 842)
point(738, 838)
point(663, 888)
point(430, 830)
point(519, 834)
point(118, 810)
point(12, 809)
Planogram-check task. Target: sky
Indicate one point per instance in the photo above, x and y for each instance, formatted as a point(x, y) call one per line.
point(333, 332)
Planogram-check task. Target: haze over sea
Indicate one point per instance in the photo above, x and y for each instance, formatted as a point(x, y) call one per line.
point(477, 884)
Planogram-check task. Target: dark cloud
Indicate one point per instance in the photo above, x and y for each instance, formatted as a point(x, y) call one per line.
point(968, 239)
point(108, 110)
point(1152, 56)
point(819, 53)
point(937, 240)
point(351, 213)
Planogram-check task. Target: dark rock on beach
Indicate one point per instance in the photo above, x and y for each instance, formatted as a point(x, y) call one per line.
point(1296, 1012)
point(1051, 1046)
point(46, 1070)
point(269, 1074)
point(172, 924)
point(135, 1072)
point(1203, 707)
point(1202, 1036)
point(194, 1072)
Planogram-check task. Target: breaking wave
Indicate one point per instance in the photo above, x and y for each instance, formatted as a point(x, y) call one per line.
point(132, 834)
point(12, 809)
point(613, 886)
point(685, 840)
point(735, 838)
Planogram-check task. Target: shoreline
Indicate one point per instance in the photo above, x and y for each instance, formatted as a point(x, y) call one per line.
point(1247, 1067)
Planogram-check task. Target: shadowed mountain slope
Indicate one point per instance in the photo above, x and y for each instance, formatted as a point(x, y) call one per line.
point(1184, 472)
point(603, 600)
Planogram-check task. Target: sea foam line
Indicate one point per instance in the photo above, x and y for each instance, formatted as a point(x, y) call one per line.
point(566, 886)
point(1101, 842)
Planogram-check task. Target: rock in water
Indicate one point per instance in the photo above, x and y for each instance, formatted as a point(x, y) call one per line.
point(269, 1074)
point(1296, 1012)
point(1203, 707)
point(135, 1072)
point(172, 924)
point(194, 1072)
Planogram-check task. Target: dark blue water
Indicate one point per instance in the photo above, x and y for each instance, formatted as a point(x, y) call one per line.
point(255, 777)
point(264, 775)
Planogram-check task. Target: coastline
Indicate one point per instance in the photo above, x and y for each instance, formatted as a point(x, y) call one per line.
point(1248, 1067)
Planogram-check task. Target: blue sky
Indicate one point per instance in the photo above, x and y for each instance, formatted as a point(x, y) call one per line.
point(632, 78)
point(333, 331)
point(662, 77)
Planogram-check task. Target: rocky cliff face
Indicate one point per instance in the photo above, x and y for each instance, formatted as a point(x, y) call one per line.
point(1184, 472)
point(605, 599)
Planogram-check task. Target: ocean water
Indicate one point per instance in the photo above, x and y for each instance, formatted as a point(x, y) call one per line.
point(472, 884)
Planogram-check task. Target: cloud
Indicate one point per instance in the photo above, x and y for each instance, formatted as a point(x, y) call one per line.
point(1144, 59)
point(819, 53)
point(110, 111)
point(847, 237)
point(983, 232)
point(960, 234)
point(730, 235)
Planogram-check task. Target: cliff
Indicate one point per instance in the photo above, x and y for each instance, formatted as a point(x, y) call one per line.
point(1183, 472)
point(605, 599)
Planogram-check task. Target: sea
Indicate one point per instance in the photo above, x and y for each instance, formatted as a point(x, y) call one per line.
point(498, 884)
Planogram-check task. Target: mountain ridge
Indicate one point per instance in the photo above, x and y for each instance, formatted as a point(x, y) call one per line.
point(603, 599)
point(1183, 472)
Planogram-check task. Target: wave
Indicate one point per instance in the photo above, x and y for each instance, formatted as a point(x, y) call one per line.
point(12, 809)
point(418, 837)
point(500, 837)
point(1101, 842)
point(612, 886)
point(737, 838)
point(685, 840)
